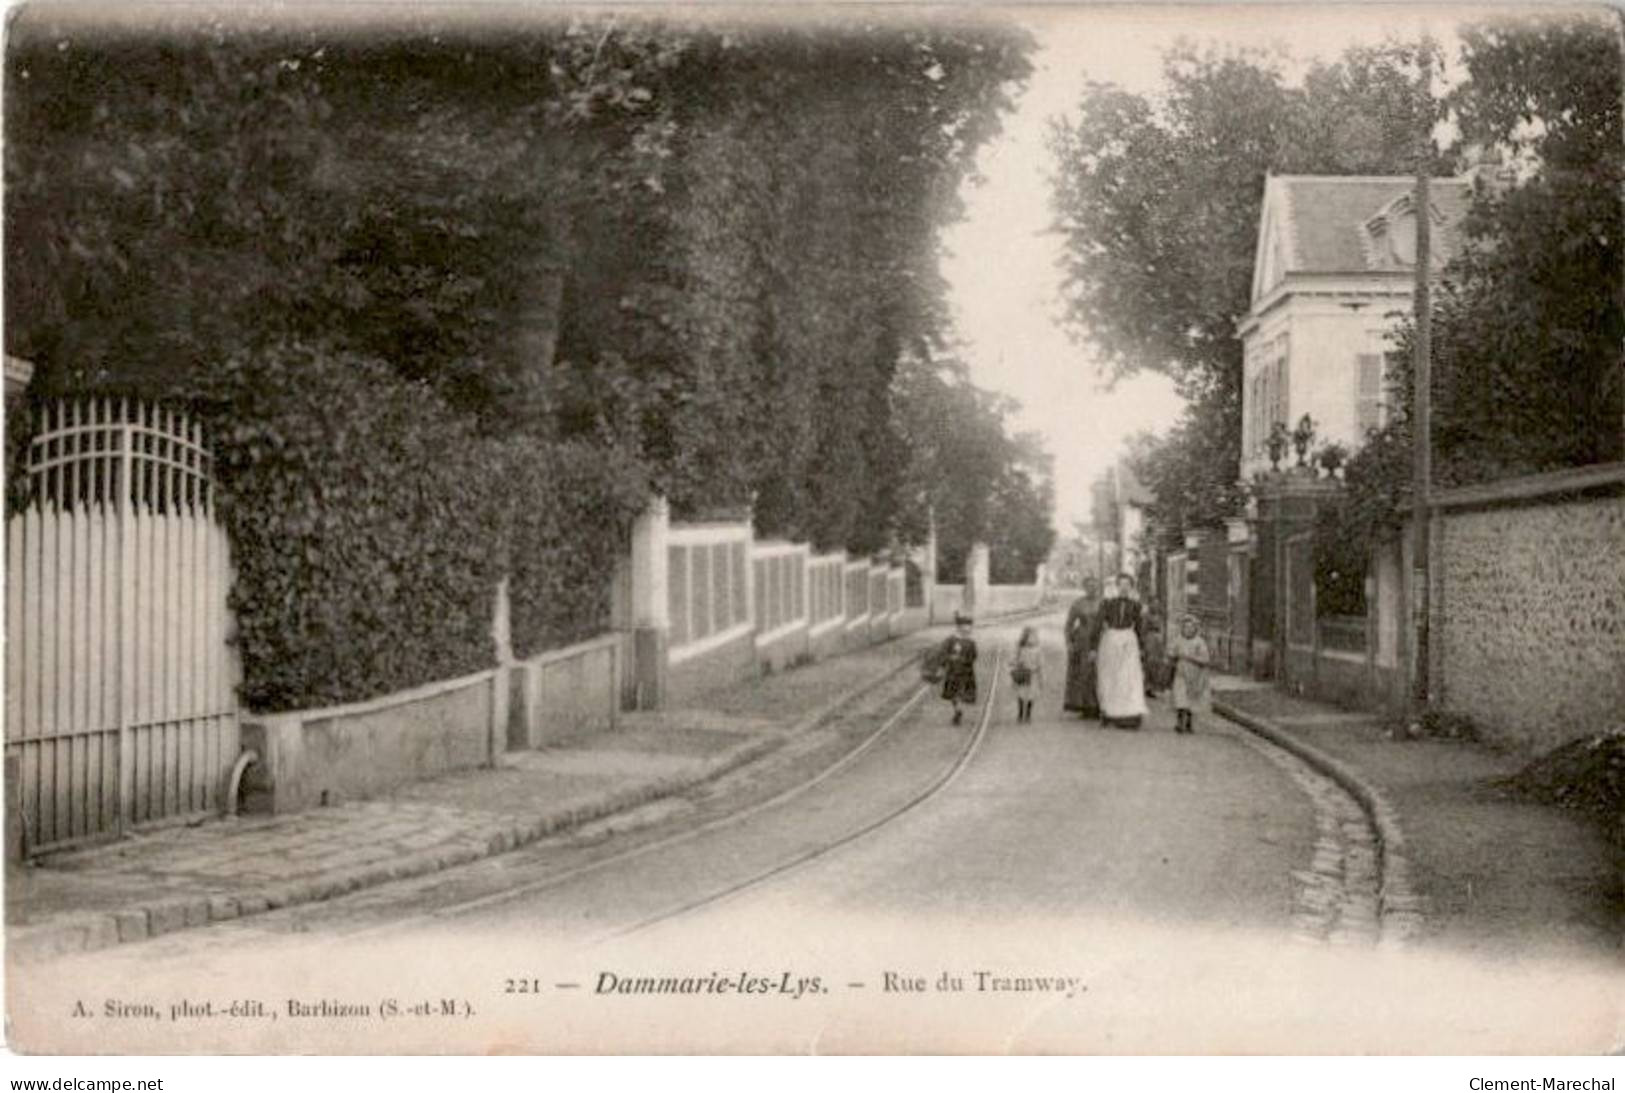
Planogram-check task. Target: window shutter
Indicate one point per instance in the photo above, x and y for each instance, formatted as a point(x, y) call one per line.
point(1252, 415)
point(1368, 397)
point(1283, 381)
point(1261, 408)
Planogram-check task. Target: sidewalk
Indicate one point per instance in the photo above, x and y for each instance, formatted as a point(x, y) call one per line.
point(1491, 875)
point(180, 877)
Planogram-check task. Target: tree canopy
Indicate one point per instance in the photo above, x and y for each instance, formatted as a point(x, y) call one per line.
point(1529, 318)
point(1157, 199)
point(979, 480)
point(451, 296)
point(709, 244)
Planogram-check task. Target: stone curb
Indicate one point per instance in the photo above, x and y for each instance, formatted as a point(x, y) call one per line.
point(1399, 908)
point(101, 930)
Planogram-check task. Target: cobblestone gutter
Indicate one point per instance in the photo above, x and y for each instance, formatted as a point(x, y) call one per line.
point(1341, 849)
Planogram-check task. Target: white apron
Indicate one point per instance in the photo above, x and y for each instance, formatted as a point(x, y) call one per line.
point(1122, 683)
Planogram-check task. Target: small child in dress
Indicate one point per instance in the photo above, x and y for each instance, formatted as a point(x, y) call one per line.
point(1191, 661)
point(1027, 672)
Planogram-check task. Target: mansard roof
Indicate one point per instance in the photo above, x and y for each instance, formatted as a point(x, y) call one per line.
point(1338, 224)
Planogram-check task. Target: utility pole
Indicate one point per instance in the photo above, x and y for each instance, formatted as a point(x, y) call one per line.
point(1421, 422)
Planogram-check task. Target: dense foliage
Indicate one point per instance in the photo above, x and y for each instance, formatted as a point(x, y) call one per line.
point(1528, 321)
point(361, 521)
point(1528, 324)
point(576, 260)
point(969, 473)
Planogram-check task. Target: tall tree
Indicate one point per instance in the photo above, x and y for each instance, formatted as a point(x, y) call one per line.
point(1530, 320)
point(1158, 199)
point(979, 479)
point(729, 233)
point(1530, 316)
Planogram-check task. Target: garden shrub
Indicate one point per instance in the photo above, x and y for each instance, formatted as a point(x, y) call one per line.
point(571, 507)
point(364, 524)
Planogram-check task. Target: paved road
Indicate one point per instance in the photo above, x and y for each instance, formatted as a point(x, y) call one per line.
point(1074, 887)
point(1055, 818)
point(1062, 818)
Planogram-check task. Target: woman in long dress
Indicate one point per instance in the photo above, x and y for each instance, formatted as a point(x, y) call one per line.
point(1119, 637)
point(1080, 672)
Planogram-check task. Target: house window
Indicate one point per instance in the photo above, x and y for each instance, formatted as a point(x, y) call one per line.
point(1268, 396)
point(1257, 412)
point(1281, 405)
point(1368, 393)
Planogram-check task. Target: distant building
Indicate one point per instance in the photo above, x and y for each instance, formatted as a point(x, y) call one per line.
point(1332, 275)
point(1121, 505)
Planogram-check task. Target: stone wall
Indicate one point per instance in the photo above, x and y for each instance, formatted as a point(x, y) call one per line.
point(726, 665)
point(787, 649)
point(1528, 619)
point(565, 692)
point(310, 758)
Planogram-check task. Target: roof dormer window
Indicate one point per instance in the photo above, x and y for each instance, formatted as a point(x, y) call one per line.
point(1392, 234)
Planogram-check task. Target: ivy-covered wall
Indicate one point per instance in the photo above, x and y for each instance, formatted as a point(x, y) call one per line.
point(370, 527)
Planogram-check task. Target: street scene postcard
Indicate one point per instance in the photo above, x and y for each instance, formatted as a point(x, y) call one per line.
point(781, 529)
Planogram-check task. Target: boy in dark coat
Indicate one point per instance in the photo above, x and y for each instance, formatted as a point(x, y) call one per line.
point(959, 667)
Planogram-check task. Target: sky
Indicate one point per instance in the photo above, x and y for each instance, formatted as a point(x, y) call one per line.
point(1002, 265)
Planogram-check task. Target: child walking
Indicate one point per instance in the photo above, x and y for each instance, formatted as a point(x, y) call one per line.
point(1191, 661)
point(1027, 672)
point(958, 660)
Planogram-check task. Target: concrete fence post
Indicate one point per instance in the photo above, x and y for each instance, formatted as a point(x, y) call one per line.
point(976, 576)
point(500, 731)
point(650, 621)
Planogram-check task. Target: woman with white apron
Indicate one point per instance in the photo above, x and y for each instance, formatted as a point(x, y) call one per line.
point(1119, 636)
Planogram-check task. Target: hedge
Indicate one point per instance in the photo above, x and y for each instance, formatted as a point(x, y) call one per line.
point(370, 527)
point(571, 507)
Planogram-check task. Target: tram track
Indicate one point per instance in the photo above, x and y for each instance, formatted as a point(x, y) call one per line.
point(936, 787)
point(603, 865)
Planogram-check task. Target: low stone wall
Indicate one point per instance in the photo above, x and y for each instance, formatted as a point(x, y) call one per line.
point(858, 632)
point(909, 620)
point(826, 639)
point(946, 600)
point(784, 649)
point(991, 602)
point(1346, 679)
point(1528, 607)
point(729, 662)
point(320, 757)
point(565, 692)
point(1008, 599)
point(309, 758)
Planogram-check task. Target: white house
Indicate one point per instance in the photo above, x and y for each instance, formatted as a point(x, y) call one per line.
point(1332, 274)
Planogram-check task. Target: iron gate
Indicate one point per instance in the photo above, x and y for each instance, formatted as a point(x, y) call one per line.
point(120, 681)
